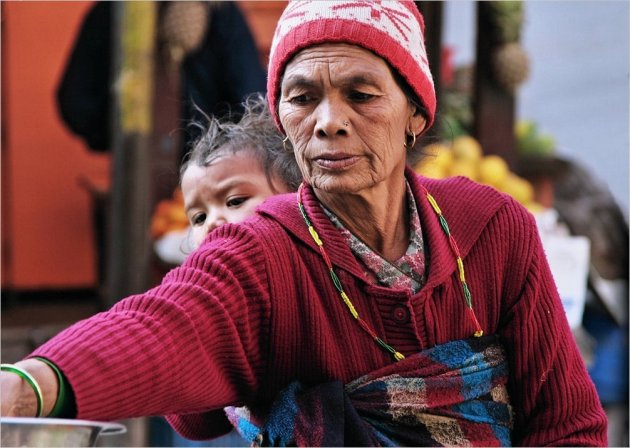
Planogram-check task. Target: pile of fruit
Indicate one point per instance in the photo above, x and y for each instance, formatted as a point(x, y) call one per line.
point(532, 142)
point(169, 215)
point(464, 157)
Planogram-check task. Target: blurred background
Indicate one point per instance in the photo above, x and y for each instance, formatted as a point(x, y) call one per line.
point(577, 89)
point(533, 99)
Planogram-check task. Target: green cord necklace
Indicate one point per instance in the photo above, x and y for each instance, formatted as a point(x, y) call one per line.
point(346, 300)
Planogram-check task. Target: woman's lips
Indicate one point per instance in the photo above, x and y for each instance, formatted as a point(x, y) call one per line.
point(336, 161)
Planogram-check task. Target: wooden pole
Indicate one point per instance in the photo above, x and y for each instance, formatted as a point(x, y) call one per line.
point(168, 130)
point(129, 245)
point(432, 15)
point(432, 12)
point(493, 107)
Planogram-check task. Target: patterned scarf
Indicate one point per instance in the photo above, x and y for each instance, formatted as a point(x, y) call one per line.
point(453, 394)
point(408, 272)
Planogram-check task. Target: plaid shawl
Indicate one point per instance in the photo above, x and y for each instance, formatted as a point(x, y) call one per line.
point(449, 395)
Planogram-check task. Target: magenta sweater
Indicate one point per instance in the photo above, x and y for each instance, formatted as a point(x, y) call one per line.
point(254, 309)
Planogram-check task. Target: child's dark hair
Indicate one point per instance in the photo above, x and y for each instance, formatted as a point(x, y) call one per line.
point(254, 131)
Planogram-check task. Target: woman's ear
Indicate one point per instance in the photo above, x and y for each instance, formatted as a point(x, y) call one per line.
point(417, 122)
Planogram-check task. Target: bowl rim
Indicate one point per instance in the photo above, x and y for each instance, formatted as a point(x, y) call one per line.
point(105, 427)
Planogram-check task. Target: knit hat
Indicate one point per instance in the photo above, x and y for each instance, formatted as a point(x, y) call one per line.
point(393, 30)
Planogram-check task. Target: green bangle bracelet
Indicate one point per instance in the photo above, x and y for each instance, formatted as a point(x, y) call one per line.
point(30, 380)
point(61, 394)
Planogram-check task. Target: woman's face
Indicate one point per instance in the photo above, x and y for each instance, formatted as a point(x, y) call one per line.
point(226, 191)
point(346, 118)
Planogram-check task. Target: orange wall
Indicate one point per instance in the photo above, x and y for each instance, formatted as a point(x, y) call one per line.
point(47, 230)
point(47, 233)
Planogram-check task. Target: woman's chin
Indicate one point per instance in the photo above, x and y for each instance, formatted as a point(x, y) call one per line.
point(340, 183)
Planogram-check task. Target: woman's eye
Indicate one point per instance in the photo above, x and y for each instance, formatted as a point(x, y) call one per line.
point(198, 219)
point(301, 99)
point(360, 96)
point(235, 202)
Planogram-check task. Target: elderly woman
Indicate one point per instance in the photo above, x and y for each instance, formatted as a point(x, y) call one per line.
point(373, 307)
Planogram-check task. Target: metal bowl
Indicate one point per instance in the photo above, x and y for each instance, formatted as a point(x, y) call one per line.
point(18, 431)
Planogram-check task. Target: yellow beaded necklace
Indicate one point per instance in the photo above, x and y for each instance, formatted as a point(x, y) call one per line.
point(346, 300)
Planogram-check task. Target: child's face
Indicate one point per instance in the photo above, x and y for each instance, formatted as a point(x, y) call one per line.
point(226, 191)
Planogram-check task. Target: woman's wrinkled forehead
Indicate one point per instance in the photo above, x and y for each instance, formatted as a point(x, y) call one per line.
point(333, 59)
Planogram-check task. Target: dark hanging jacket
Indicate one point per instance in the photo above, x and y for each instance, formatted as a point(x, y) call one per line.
point(216, 77)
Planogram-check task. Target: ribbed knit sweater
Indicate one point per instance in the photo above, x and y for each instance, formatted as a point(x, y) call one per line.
point(254, 309)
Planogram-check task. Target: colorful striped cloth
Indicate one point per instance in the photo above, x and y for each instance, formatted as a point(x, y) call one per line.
point(449, 395)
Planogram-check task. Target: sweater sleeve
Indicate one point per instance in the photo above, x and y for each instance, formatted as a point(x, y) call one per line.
point(193, 344)
point(554, 399)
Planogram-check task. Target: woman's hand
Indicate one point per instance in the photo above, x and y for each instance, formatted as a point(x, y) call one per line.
point(18, 396)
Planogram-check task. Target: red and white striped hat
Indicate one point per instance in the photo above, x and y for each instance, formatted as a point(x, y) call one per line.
point(394, 30)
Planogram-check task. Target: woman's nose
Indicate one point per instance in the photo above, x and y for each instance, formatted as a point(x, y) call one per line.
point(331, 118)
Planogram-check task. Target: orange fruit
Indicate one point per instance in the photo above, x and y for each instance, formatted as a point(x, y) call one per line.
point(493, 170)
point(466, 147)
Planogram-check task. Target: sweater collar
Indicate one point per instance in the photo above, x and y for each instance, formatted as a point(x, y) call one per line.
point(467, 208)
point(452, 195)
point(334, 242)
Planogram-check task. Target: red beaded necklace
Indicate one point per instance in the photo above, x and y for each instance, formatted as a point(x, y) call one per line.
point(346, 300)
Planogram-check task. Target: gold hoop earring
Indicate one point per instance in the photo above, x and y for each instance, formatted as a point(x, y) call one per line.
point(284, 144)
point(413, 142)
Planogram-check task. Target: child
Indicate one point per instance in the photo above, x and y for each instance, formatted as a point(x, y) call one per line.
point(233, 167)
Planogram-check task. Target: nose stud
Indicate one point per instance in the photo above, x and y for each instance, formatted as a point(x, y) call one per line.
point(346, 123)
